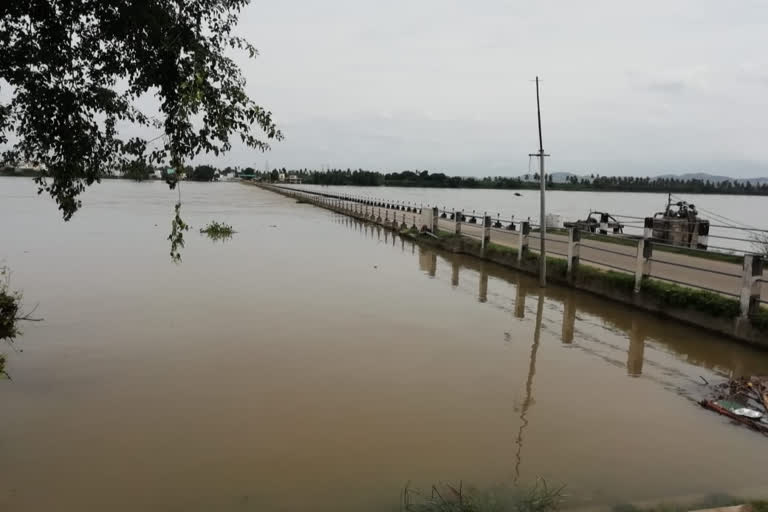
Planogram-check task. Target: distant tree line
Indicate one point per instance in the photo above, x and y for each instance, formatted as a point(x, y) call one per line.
point(361, 177)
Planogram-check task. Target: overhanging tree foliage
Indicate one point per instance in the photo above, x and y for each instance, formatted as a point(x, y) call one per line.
point(75, 70)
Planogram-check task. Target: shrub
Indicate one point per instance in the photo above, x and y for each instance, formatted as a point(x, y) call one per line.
point(682, 297)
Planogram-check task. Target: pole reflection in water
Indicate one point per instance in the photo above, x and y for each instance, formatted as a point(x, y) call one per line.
point(569, 318)
point(636, 350)
point(520, 300)
point(455, 273)
point(528, 401)
point(483, 291)
point(427, 261)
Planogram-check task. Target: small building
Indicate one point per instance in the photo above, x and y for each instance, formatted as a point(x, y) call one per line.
point(281, 177)
point(293, 179)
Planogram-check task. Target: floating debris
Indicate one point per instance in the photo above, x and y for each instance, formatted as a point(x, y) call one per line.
point(744, 400)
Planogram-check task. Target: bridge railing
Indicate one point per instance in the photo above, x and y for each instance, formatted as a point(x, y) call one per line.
point(737, 276)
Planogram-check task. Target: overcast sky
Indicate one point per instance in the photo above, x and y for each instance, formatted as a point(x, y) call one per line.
point(628, 87)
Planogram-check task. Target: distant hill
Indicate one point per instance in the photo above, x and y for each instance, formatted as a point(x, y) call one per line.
point(563, 177)
point(703, 176)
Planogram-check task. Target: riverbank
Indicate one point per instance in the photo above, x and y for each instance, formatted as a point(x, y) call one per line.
point(698, 307)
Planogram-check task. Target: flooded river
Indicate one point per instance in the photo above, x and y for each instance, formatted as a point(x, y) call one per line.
point(315, 363)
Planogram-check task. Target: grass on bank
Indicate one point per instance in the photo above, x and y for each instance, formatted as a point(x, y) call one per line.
point(218, 230)
point(458, 498)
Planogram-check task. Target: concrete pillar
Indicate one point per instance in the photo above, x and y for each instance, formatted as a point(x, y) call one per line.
point(702, 241)
point(574, 237)
point(750, 286)
point(486, 233)
point(643, 267)
point(603, 224)
point(525, 230)
point(435, 219)
point(457, 219)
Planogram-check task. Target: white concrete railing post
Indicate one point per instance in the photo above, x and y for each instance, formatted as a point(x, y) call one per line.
point(486, 233)
point(643, 266)
point(749, 302)
point(574, 237)
point(457, 219)
point(525, 229)
point(435, 219)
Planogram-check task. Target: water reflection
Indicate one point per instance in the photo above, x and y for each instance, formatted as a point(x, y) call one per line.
point(647, 338)
point(636, 350)
point(482, 294)
point(528, 401)
point(569, 318)
point(427, 261)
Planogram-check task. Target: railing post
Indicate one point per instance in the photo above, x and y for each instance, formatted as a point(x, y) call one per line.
point(643, 267)
point(435, 218)
point(525, 229)
point(603, 224)
point(457, 220)
point(574, 237)
point(648, 228)
point(750, 285)
point(486, 233)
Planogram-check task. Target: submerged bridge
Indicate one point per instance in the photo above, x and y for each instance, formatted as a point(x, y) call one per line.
point(741, 278)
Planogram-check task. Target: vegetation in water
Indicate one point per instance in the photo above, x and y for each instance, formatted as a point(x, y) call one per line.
point(10, 313)
point(10, 304)
point(457, 498)
point(218, 230)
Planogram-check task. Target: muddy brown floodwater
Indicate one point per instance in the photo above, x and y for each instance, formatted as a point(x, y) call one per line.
point(315, 363)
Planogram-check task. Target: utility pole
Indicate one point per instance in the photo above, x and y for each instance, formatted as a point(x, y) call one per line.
point(543, 188)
